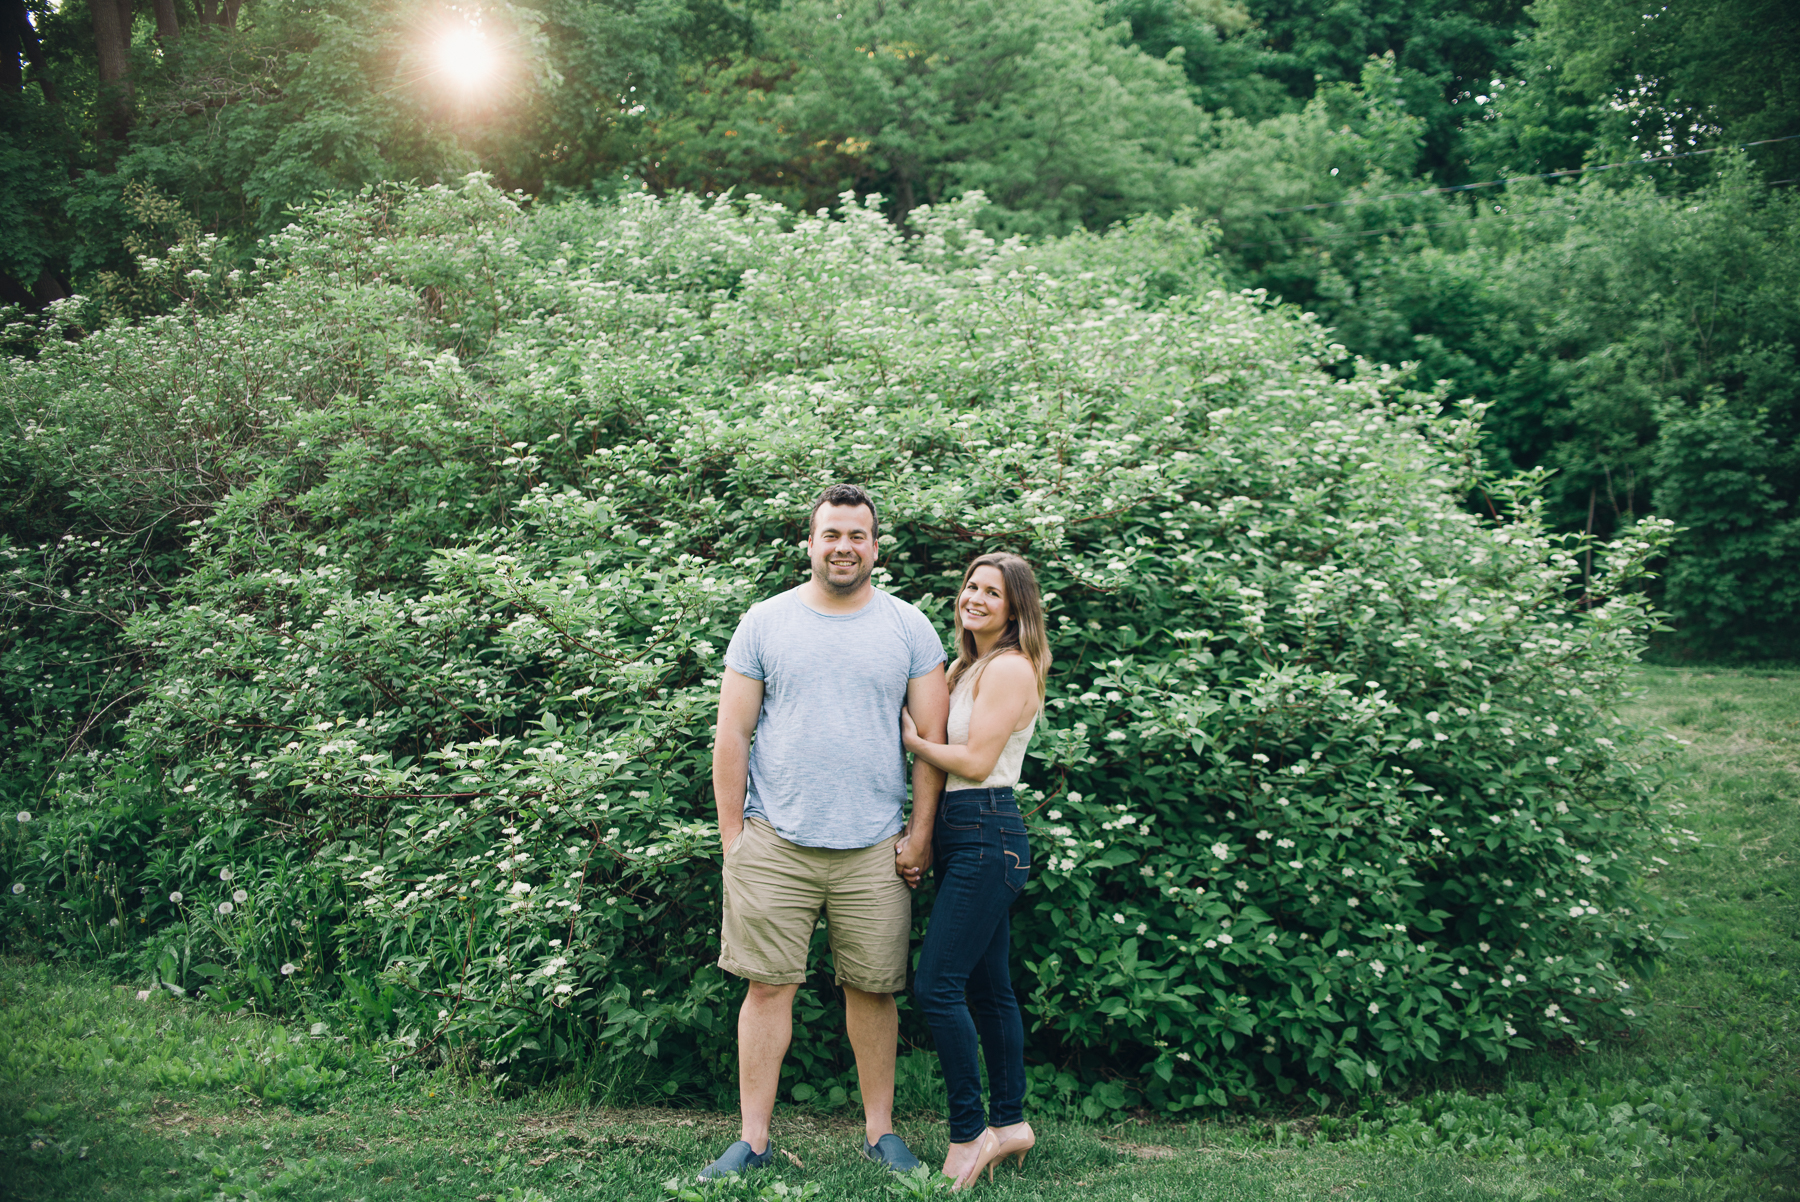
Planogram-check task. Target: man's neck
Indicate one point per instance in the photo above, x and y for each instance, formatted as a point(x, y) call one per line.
point(828, 601)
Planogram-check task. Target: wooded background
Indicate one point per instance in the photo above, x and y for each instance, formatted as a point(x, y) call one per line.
point(1631, 323)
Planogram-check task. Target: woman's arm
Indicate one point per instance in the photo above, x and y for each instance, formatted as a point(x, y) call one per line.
point(1005, 696)
point(912, 853)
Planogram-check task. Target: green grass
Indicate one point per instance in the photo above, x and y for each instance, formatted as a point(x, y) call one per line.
point(105, 1096)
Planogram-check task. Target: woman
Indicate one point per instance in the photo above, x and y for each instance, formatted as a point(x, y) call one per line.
point(982, 860)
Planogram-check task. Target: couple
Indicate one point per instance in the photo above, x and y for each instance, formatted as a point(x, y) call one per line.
point(837, 680)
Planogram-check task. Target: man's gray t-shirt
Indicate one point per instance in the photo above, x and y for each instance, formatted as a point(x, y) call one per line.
point(826, 767)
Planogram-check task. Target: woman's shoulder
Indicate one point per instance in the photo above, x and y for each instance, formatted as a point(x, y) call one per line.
point(1010, 669)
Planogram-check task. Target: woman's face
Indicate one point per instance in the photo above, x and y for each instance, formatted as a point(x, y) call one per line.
point(982, 606)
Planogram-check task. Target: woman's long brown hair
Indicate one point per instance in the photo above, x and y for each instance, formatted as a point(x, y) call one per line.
point(1024, 631)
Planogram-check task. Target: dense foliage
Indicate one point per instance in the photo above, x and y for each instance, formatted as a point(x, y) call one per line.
point(1643, 346)
point(463, 503)
point(1308, 131)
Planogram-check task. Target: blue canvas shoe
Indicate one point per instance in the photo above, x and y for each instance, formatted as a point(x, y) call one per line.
point(738, 1158)
point(892, 1151)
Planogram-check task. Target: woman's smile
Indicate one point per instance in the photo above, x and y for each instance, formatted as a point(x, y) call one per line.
point(982, 604)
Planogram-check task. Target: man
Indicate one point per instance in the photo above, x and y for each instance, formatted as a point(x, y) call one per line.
point(811, 812)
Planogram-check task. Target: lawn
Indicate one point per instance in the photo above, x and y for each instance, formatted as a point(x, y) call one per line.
point(106, 1096)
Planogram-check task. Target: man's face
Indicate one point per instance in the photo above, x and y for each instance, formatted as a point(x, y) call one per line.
point(842, 547)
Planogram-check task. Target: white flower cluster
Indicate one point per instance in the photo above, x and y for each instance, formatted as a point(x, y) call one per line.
point(1292, 692)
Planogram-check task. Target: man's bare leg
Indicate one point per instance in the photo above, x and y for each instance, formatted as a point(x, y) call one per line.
point(765, 1028)
point(874, 1024)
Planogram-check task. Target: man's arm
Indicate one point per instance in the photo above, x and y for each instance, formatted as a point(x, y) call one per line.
point(740, 704)
point(928, 701)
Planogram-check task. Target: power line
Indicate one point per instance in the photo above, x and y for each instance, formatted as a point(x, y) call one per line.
point(1438, 225)
point(1392, 229)
point(1520, 179)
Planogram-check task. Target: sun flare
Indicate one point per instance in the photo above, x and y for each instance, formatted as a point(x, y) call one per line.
point(465, 56)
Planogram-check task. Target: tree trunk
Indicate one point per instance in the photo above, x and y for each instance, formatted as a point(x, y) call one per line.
point(223, 13)
point(34, 54)
point(903, 201)
point(112, 49)
point(13, 292)
point(167, 27)
point(1587, 572)
point(12, 48)
point(18, 46)
point(49, 288)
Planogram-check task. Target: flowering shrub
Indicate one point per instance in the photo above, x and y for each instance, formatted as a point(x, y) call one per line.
point(1329, 788)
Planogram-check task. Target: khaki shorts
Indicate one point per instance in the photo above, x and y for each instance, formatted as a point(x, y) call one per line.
point(774, 890)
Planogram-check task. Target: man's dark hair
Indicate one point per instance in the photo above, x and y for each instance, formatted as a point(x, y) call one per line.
point(845, 494)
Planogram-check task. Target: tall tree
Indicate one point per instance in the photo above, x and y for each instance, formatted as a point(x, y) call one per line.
point(168, 28)
point(223, 13)
point(112, 54)
point(20, 47)
point(1261, 58)
point(1038, 103)
point(1684, 73)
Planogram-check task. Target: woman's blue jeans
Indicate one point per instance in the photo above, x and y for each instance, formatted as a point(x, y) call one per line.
point(981, 860)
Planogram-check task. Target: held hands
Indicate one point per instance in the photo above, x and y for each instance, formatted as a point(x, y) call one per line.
point(911, 862)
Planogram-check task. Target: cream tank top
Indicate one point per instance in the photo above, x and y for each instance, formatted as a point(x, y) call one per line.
point(1012, 756)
